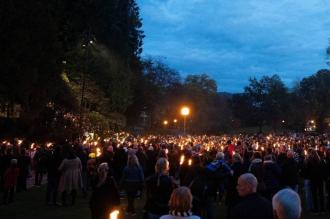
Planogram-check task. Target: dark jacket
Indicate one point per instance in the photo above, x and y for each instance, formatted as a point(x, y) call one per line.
point(252, 207)
point(132, 179)
point(218, 174)
point(232, 194)
point(159, 190)
point(271, 175)
point(290, 172)
point(104, 198)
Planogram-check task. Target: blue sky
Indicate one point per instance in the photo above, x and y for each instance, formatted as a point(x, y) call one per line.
point(233, 40)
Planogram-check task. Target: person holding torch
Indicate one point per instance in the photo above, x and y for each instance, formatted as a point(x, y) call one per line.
point(105, 197)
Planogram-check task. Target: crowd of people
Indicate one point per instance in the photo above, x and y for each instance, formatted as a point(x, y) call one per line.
point(253, 176)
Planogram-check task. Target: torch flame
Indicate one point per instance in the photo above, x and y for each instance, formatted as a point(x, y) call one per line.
point(181, 159)
point(114, 214)
point(98, 152)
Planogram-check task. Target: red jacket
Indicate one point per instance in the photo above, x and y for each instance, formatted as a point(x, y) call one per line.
point(231, 149)
point(10, 177)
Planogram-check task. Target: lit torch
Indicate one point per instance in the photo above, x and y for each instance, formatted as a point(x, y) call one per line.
point(305, 152)
point(114, 214)
point(181, 159)
point(98, 152)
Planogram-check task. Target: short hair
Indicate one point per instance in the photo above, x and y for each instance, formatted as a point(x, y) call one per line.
point(250, 180)
point(181, 200)
point(287, 204)
point(220, 155)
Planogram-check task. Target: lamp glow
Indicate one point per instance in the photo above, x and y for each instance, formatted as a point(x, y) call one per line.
point(185, 111)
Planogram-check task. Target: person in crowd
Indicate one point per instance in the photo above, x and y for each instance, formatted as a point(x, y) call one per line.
point(252, 204)
point(81, 153)
point(40, 165)
point(53, 175)
point(119, 162)
point(24, 163)
point(217, 176)
point(218, 172)
point(256, 168)
point(197, 182)
point(290, 172)
point(317, 175)
point(10, 182)
point(286, 205)
point(327, 176)
point(132, 181)
point(229, 150)
point(91, 171)
point(306, 173)
point(105, 197)
point(70, 180)
point(180, 205)
point(271, 176)
point(159, 188)
point(152, 159)
point(143, 159)
point(238, 169)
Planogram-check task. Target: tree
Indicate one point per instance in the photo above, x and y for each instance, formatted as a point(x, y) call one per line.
point(152, 91)
point(267, 99)
point(314, 92)
point(200, 92)
point(39, 36)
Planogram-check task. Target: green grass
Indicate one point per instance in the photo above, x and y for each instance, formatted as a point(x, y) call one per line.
point(31, 205)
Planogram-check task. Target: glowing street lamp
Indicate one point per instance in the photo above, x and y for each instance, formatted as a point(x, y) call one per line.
point(184, 112)
point(175, 121)
point(165, 122)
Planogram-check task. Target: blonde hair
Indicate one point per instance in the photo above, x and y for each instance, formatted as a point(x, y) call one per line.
point(132, 160)
point(162, 166)
point(181, 199)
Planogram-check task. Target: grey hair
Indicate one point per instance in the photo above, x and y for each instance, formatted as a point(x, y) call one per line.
point(287, 204)
point(220, 156)
point(250, 180)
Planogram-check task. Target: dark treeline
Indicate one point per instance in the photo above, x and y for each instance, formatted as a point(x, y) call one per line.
point(74, 66)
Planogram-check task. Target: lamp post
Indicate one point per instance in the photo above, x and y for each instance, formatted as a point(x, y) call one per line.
point(184, 112)
point(88, 42)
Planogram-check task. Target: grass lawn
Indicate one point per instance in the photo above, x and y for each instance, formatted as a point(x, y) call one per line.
point(31, 205)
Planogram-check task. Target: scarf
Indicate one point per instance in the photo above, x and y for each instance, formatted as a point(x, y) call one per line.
point(181, 214)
